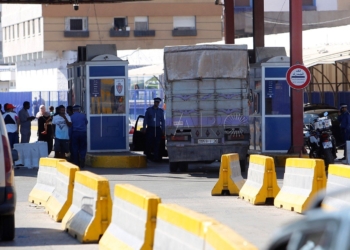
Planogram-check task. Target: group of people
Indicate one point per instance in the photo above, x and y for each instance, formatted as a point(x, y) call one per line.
point(68, 130)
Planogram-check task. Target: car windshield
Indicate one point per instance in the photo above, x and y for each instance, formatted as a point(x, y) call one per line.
point(309, 118)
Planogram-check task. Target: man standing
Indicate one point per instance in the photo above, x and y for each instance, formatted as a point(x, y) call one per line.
point(344, 121)
point(154, 126)
point(79, 137)
point(25, 120)
point(12, 123)
point(62, 123)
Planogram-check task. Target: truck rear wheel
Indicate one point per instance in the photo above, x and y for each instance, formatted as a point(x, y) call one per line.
point(7, 227)
point(173, 167)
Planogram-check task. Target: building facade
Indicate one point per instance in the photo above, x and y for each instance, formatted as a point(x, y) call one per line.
point(43, 39)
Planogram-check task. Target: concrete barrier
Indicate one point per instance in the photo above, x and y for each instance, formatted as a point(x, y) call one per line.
point(338, 179)
point(133, 219)
point(230, 178)
point(61, 198)
point(261, 182)
point(303, 178)
point(90, 213)
point(180, 228)
point(219, 236)
point(30, 153)
point(45, 181)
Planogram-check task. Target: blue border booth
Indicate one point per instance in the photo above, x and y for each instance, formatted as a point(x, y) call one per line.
point(98, 82)
point(276, 106)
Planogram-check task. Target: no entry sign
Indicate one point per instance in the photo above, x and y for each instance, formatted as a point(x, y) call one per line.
point(298, 76)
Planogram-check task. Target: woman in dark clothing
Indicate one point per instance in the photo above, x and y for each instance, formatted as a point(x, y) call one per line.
point(44, 117)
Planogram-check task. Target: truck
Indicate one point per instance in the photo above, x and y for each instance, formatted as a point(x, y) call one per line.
point(207, 106)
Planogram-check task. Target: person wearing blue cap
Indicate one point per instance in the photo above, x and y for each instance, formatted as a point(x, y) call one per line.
point(79, 137)
point(344, 122)
point(154, 127)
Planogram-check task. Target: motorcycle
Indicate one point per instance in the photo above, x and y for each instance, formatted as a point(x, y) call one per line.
point(321, 142)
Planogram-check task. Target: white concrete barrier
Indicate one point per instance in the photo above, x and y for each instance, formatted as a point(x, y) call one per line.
point(30, 153)
point(61, 198)
point(303, 178)
point(90, 213)
point(45, 181)
point(133, 219)
point(230, 179)
point(338, 181)
point(180, 228)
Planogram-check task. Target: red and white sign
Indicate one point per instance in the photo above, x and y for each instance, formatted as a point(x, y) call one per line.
point(298, 76)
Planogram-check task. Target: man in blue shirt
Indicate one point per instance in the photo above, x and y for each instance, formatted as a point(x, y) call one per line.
point(344, 122)
point(154, 126)
point(79, 137)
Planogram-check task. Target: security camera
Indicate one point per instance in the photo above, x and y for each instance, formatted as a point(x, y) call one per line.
point(76, 7)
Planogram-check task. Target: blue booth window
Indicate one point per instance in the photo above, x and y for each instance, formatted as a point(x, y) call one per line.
point(96, 71)
point(277, 97)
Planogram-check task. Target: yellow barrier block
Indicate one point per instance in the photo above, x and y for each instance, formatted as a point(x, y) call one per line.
point(133, 219)
point(90, 213)
point(338, 179)
point(303, 178)
point(220, 236)
point(61, 199)
point(261, 181)
point(174, 220)
point(45, 182)
point(230, 178)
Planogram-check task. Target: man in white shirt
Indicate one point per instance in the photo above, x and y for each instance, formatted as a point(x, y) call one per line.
point(62, 122)
point(12, 123)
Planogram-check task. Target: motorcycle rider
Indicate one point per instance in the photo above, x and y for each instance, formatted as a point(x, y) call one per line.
point(344, 121)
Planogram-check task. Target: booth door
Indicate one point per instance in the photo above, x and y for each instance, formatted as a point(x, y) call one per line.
point(108, 133)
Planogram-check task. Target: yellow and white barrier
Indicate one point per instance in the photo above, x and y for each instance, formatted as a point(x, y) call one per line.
point(303, 178)
point(30, 153)
point(180, 228)
point(61, 198)
point(133, 219)
point(45, 181)
point(219, 237)
point(90, 213)
point(230, 178)
point(338, 179)
point(261, 181)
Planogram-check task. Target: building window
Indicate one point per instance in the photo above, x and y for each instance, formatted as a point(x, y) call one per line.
point(308, 2)
point(33, 26)
point(120, 23)
point(13, 32)
point(39, 25)
point(242, 3)
point(141, 23)
point(184, 22)
point(24, 29)
point(5, 33)
point(18, 30)
point(76, 24)
point(28, 28)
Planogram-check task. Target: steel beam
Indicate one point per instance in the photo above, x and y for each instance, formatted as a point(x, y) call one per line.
point(258, 24)
point(296, 57)
point(229, 22)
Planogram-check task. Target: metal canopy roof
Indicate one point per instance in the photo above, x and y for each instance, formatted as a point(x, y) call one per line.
point(65, 1)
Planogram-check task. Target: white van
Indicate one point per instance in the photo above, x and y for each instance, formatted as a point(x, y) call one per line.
point(7, 186)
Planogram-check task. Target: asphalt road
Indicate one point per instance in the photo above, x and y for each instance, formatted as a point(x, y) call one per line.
point(35, 230)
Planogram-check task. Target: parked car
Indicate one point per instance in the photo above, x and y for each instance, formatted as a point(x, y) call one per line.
point(318, 229)
point(7, 186)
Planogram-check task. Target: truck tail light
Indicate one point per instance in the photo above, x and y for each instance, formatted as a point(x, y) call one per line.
point(8, 161)
point(179, 138)
point(131, 130)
